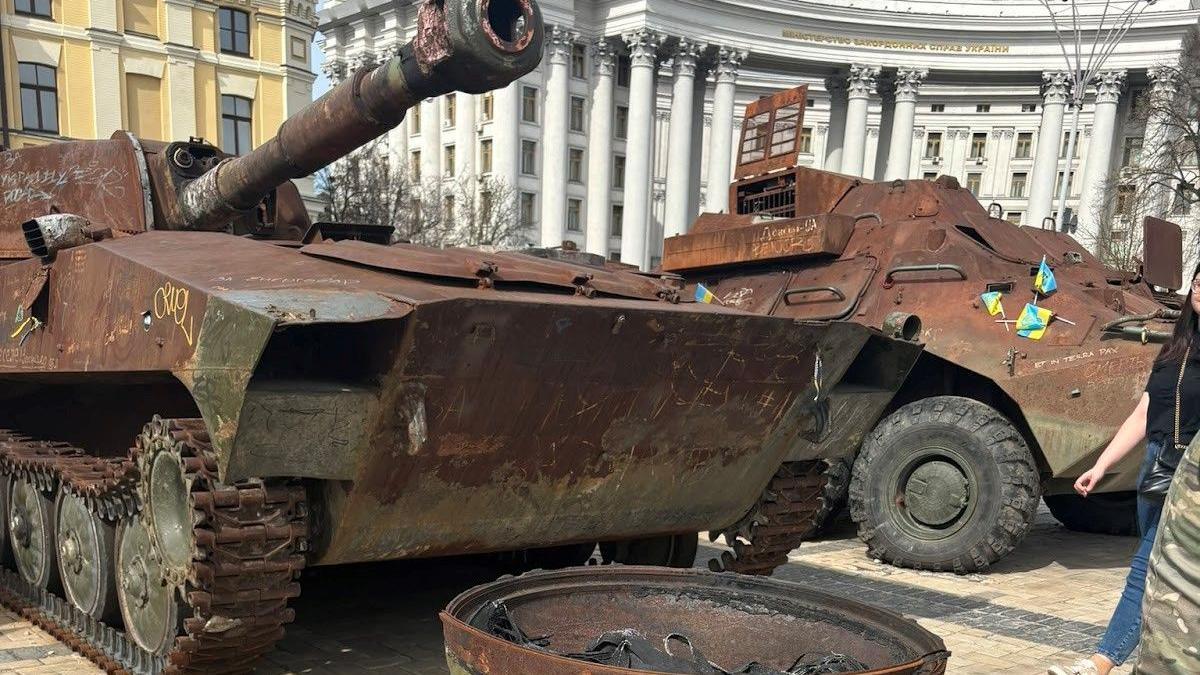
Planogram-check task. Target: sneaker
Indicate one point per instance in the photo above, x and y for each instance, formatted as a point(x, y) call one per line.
point(1080, 667)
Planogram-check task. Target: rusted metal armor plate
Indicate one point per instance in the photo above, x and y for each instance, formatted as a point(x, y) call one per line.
point(1162, 265)
point(497, 267)
point(824, 234)
point(99, 180)
point(771, 132)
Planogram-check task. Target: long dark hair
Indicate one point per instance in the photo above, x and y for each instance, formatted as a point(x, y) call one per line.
point(1185, 328)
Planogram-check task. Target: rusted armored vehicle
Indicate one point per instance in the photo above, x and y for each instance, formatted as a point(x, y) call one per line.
point(293, 399)
point(947, 472)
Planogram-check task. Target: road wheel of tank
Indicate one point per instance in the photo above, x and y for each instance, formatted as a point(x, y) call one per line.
point(833, 495)
point(668, 551)
point(31, 526)
point(150, 607)
point(85, 558)
point(944, 484)
point(1112, 513)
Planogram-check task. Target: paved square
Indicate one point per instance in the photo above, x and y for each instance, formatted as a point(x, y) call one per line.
point(1046, 603)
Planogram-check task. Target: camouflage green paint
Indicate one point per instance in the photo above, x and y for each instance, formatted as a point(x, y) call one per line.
point(1171, 609)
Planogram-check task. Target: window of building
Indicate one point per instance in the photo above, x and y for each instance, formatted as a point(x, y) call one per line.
point(978, 146)
point(529, 157)
point(1014, 217)
point(39, 97)
point(983, 108)
point(615, 255)
point(937, 107)
point(933, 144)
point(621, 125)
point(1125, 199)
point(1062, 151)
point(234, 31)
point(1016, 187)
point(529, 104)
point(414, 164)
point(1131, 153)
point(623, 66)
point(1024, 145)
point(485, 155)
point(575, 165)
point(1058, 182)
point(448, 208)
point(448, 159)
point(143, 102)
point(527, 204)
point(485, 205)
point(618, 173)
point(929, 175)
point(974, 181)
point(1028, 107)
point(1180, 206)
point(578, 61)
point(615, 220)
point(805, 145)
point(450, 112)
point(34, 7)
point(577, 120)
point(140, 16)
point(810, 103)
point(574, 207)
point(236, 123)
point(488, 105)
point(414, 114)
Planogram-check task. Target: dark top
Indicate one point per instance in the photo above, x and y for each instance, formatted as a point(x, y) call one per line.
point(1160, 415)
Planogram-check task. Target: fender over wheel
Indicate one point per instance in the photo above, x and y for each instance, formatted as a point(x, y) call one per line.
point(945, 484)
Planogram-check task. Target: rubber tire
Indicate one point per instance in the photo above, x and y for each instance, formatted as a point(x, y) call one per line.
point(667, 551)
point(1007, 491)
point(1113, 513)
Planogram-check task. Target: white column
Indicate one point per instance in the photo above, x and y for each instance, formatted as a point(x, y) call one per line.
point(554, 135)
point(908, 85)
point(1157, 137)
point(506, 136)
point(696, 171)
point(861, 83)
point(721, 136)
point(1055, 89)
point(643, 52)
point(679, 138)
point(836, 86)
point(1099, 158)
point(878, 151)
point(600, 142)
point(431, 139)
point(464, 135)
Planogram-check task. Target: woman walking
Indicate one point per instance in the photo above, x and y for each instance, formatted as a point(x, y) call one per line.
point(1166, 417)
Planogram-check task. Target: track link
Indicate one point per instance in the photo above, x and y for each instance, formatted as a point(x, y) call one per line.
point(249, 539)
point(788, 512)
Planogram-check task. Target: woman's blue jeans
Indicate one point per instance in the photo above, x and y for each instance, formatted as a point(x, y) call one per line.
point(1125, 626)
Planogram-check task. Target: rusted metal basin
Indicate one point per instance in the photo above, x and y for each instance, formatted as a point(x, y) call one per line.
point(732, 619)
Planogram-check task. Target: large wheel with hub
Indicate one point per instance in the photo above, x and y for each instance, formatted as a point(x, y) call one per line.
point(31, 528)
point(677, 550)
point(150, 607)
point(1112, 513)
point(85, 558)
point(946, 484)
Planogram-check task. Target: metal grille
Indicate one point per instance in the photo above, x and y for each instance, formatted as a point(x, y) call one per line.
point(774, 196)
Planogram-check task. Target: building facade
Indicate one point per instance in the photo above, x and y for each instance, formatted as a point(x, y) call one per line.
point(228, 71)
point(630, 125)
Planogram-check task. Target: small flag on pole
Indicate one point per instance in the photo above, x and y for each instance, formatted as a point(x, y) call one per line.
point(705, 295)
point(991, 300)
point(1033, 321)
point(1044, 282)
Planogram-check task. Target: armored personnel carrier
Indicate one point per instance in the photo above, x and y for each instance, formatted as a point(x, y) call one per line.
point(293, 399)
point(948, 466)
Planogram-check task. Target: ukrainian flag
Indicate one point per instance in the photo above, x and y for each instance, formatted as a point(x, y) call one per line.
point(1033, 321)
point(991, 300)
point(1044, 282)
point(704, 295)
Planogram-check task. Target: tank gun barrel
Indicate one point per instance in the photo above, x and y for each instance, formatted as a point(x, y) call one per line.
point(471, 46)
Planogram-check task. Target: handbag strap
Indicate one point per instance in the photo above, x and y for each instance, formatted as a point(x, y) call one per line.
point(1179, 389)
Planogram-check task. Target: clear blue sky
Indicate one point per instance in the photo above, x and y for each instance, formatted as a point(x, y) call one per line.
point(318, 58)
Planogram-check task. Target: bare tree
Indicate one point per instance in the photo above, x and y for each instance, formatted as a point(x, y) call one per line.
point(1119, 241)
point(365, 187)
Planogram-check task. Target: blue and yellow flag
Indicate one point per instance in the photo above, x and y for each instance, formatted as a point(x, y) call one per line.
point(1033, 321)
point(1044, 282)
point(991, 300)
point(703, 294)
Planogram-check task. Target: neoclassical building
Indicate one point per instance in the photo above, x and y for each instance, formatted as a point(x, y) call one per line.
point(629, 127)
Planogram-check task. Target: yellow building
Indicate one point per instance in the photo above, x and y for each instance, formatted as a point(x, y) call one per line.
point(228, 71)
